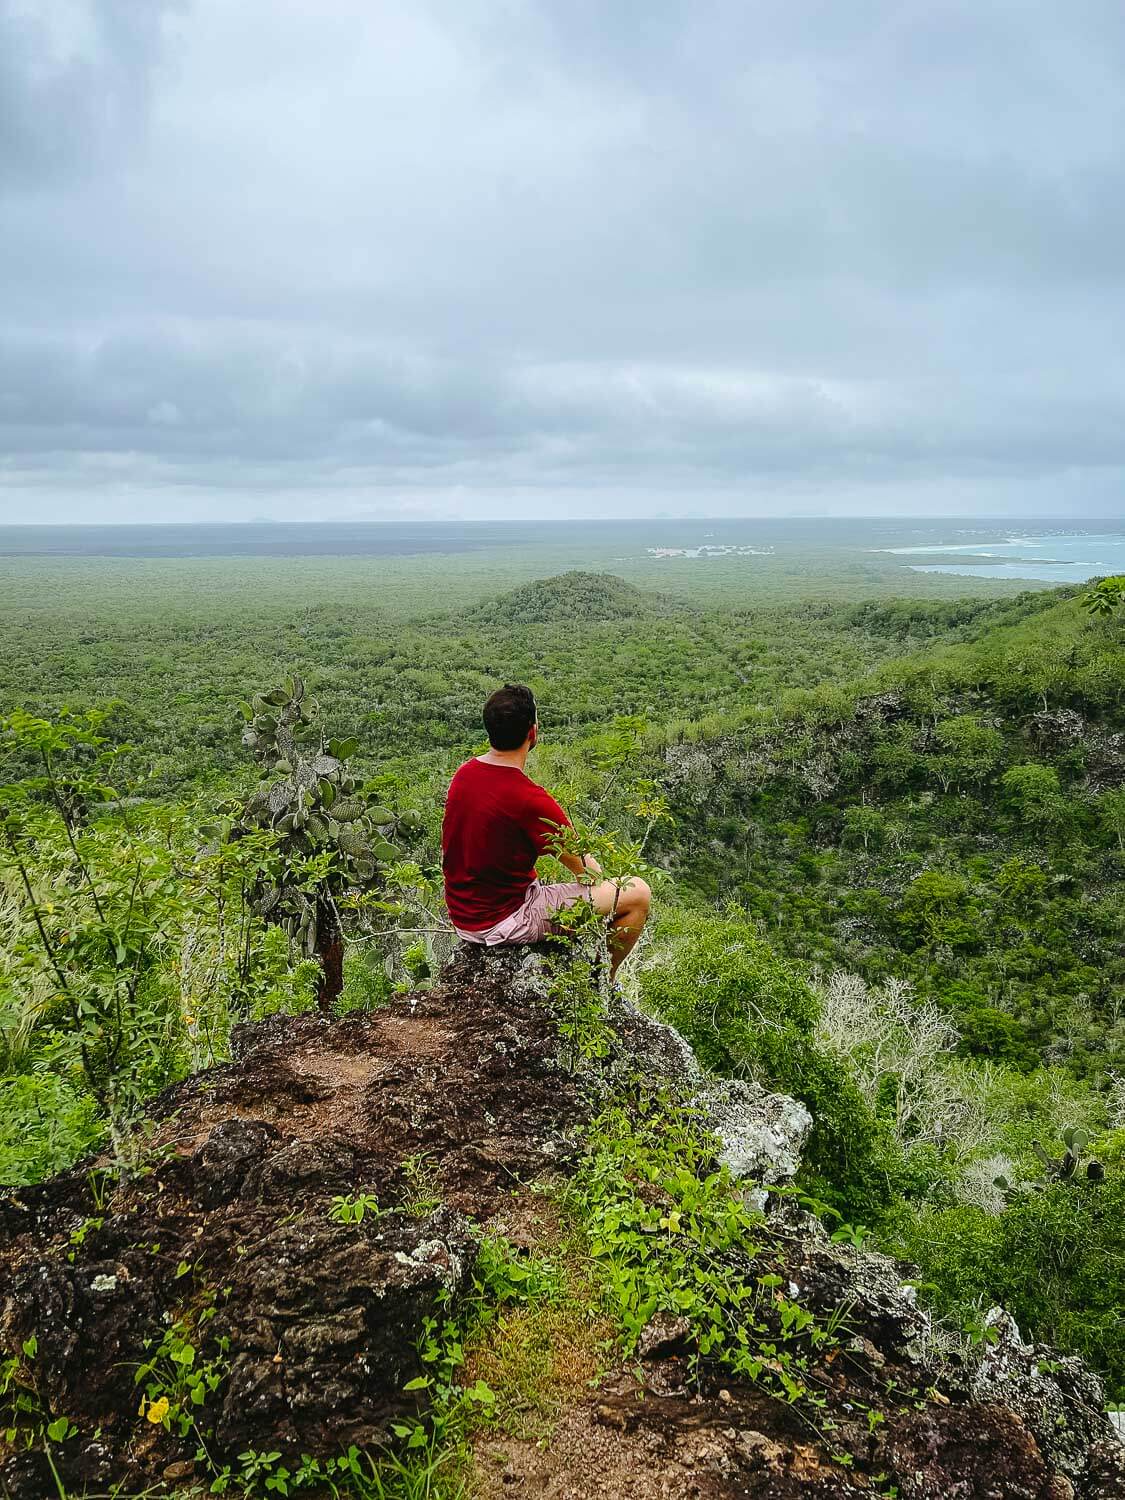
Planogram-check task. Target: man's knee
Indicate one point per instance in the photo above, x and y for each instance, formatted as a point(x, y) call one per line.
point(630, 896)
point(637, 893)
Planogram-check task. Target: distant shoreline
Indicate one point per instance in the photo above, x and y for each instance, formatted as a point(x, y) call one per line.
point(668, 540)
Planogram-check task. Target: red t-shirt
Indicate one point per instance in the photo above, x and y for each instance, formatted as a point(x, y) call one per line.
point(497, 823)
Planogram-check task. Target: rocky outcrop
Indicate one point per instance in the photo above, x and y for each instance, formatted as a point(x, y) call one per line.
point(432, 1107)
point(294, 1219)
point(760, 1134)
point(1058, 1398)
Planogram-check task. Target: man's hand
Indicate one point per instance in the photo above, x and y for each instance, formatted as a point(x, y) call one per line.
point(580, 864)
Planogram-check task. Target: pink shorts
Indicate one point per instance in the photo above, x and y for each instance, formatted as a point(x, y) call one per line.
point(530, 922)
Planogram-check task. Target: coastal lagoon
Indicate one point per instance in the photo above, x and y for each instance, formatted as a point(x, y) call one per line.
point(1050, 557)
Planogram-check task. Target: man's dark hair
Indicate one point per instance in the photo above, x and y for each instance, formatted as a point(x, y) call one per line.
point(509, 715)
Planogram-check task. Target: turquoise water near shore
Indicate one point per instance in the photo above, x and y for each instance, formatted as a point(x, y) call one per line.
point(1053, 557)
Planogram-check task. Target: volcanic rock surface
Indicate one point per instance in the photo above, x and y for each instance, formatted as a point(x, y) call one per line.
point(447, 1107)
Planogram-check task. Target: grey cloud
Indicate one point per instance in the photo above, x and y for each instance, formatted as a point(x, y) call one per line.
point(75, 82)
point(455, 248)
point(218, 409)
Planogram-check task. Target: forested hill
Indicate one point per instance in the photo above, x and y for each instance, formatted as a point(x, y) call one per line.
point(571, 597)
point(409, 685)
point(957, 819)
point(886, 840)
point(943, 844)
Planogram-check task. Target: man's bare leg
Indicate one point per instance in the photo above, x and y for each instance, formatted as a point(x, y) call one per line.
point(626, 903)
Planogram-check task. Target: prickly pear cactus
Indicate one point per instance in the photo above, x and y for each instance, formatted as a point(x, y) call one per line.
point(1075, 1140)
point(332, 837)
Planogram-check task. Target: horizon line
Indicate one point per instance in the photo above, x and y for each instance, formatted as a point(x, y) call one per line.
point(571, 522)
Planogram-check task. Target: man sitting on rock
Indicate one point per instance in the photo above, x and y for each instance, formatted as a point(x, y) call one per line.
point(497, 824)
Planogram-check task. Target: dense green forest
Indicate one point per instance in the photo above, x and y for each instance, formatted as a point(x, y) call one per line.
point(886, 836)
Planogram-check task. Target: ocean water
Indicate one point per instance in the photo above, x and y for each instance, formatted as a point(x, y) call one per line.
point(250, 539)
point(1054, 557)
point(666, 537)
point(1053, 551)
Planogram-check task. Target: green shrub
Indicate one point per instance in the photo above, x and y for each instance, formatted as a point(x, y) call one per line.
point(45, 1124)
point(937, 908)
point(366, 985)
point(1053, 1258)
point(284, 983)
point(1034, 792)
point(986, 1030)
point(748, 1014)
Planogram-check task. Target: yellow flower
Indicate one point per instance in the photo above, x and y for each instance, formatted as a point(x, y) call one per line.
point(189, 1020)
point(157, 1410)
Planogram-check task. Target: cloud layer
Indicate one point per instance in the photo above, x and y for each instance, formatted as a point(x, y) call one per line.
point(462, 256)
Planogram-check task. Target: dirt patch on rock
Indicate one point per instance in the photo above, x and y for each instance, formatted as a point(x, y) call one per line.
point(634, 1442)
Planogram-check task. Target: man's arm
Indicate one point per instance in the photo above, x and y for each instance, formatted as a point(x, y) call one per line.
point(554, 825)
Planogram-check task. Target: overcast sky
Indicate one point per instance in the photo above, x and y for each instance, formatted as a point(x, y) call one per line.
point(338, 258)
